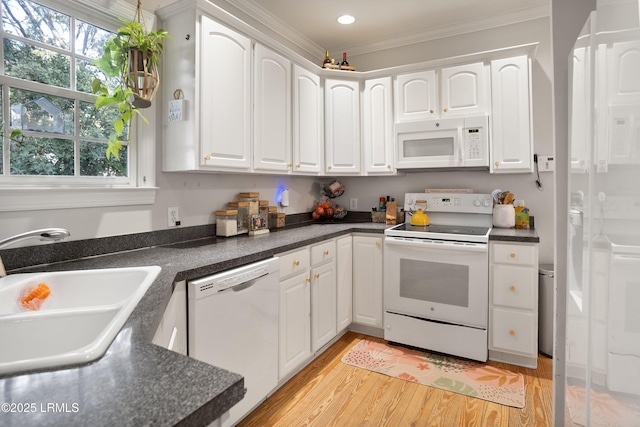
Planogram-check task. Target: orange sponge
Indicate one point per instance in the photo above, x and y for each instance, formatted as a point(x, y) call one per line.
point(33, 300)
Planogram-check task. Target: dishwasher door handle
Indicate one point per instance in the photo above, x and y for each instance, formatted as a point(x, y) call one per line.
point(244, 285)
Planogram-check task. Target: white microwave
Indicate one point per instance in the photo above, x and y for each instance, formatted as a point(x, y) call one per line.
point(445, 143)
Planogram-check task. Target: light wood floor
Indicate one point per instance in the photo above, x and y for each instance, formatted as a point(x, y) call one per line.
point(330, 393)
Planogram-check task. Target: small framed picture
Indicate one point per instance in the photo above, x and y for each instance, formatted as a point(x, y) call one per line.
point(258, 222)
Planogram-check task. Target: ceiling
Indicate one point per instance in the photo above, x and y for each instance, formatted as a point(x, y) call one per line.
point(380, 24)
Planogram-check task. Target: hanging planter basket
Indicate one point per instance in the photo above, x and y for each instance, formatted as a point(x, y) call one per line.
point(141, 76)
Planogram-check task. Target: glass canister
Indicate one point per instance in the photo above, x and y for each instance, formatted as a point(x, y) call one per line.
point(227, 222)
point(252, 199)
point(276, 219)
point(263, 207)
point(243, 215)
point(271, 210)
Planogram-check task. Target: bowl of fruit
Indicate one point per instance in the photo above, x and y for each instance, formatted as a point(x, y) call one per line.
point(326, 209)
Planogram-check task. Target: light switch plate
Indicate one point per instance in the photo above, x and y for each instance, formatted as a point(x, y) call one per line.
point(546, 163)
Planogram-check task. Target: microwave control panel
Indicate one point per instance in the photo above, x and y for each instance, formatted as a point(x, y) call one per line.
point(474, 143)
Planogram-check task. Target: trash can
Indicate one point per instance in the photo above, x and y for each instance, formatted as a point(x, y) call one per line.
point(545, 309)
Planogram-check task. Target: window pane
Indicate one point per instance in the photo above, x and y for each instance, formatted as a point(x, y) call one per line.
point(33, 21)
point(42, 156)
point(90, 39)
point(38, 112)
point(94, 162)
point(99, 123)
point(39, 65)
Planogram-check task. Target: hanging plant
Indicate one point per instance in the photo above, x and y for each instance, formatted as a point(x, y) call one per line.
point(130, 58)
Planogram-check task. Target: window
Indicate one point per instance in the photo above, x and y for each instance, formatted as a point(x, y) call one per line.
point(45, 92)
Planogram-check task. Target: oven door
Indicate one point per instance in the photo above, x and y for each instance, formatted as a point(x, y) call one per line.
point(437, 280)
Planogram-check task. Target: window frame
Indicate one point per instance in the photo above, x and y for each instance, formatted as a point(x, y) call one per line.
point(59, 192)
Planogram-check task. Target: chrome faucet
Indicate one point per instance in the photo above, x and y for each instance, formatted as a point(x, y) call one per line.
point(44, 234)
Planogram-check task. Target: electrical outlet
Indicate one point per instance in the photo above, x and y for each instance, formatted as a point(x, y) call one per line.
point(173, 217)
point(546, 163)
point(353, 204)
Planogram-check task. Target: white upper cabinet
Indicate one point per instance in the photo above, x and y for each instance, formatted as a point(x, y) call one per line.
point(342, 127)
point(272, 111)
point(511, 142)
point(464, 90)
point(449, 92)
point(225, 97)
point(215, 130)
point(377, 126)
point(307, 122)
point(415, 96)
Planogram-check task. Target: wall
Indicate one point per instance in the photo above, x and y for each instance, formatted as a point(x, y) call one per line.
point(198, 195)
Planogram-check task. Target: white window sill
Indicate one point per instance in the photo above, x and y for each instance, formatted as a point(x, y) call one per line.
point(46, 198)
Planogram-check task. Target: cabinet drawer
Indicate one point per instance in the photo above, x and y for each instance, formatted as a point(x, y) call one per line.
point(323, 252)
point(515, 286)
point(515, 254)
point(514, 331)
point(294, 262)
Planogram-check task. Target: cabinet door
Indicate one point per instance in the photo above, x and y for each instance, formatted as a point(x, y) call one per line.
point(295, 322)
point(307, 122)
point(323, 305)
point(344, 281)
point(514, 331)
point(367, 280)
point(464, 90)
point(579, 110)
point(511, 141)
point(625, 68)
point(225, 97)
point(272, 111)
point(342, 127)
point(377, 124)
point(415, 96)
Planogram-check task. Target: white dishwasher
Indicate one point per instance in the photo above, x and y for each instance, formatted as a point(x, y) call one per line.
point(233, 324)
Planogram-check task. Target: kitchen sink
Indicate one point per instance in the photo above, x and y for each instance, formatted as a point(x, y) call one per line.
point(75, 324)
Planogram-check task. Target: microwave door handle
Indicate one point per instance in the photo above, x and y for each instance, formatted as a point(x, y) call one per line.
point(461, 145)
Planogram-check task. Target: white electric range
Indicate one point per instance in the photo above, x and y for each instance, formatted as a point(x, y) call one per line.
point(436, 277)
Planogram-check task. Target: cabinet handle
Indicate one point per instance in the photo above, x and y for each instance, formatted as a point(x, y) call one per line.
point(377, 244)
point(512, 288)
point(296, 263)
point(512, 333)
point(389, 167)
point(326, 252)
point(289, 165)
point(430, 111)
point(445, 109)
point(329, 167)
point(512, 255)
point(316, 276)
point(497, 164)
point(308, 280)
point(298, 166)
point(207, 157)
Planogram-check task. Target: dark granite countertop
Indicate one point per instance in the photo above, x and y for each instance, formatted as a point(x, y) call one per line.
point(514, 235)
point(137, 383)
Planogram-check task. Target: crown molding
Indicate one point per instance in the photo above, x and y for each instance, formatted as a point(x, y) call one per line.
point(259, 13)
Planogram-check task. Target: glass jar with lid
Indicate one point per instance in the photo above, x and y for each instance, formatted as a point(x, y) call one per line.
point(243, 215)
point(227, 222)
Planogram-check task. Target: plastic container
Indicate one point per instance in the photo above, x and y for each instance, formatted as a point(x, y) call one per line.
point(243, 215)
point(545, 309)
point(227, 222)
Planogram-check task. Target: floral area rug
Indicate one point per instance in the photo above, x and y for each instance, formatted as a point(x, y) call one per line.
point(440, 371)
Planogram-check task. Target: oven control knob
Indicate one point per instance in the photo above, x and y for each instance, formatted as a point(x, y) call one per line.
point(486, 203)
point(477, 203)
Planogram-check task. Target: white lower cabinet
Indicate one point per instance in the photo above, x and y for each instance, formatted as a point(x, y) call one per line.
point(513, 303)
point(323, 305)
point(294, 310)
point(344, 282)
point(367, 280)
point(295, 322)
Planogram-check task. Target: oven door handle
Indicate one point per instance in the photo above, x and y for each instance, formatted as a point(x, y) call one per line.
point(427, 243)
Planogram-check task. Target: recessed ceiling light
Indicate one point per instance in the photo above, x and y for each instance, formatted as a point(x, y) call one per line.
point(346, 19)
